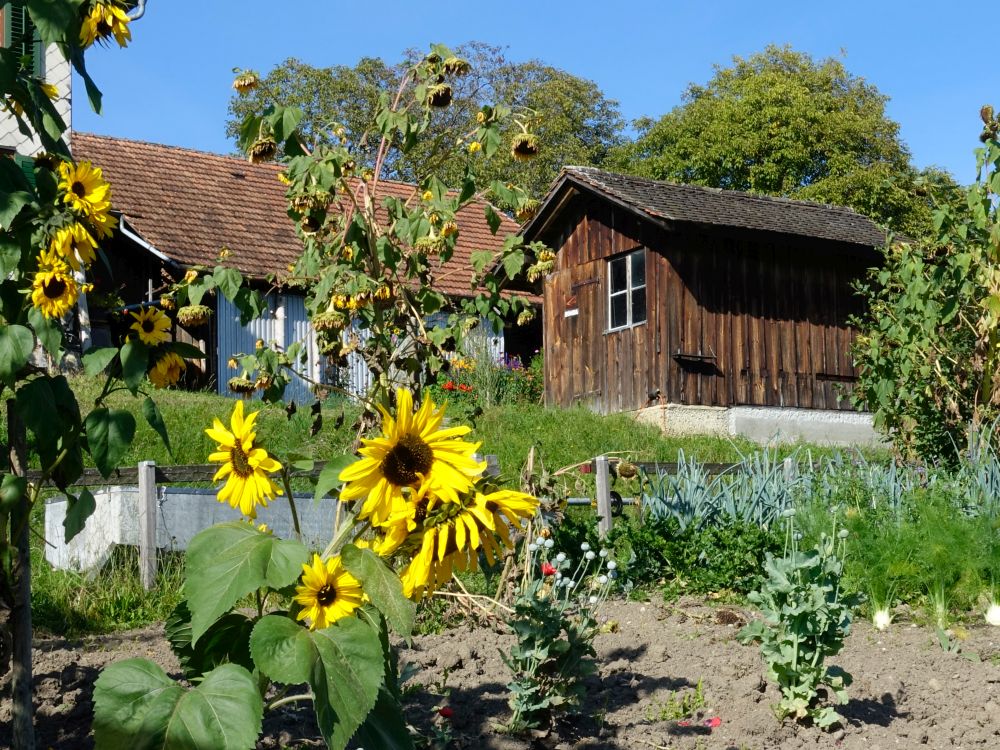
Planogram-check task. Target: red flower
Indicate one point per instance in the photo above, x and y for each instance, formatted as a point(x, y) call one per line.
point(713, 722)
point(445, 712)
point(449, 386)
point(548, 570)
point(464, 388)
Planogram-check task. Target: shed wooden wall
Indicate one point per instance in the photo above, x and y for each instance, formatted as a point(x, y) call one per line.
point(733, 317)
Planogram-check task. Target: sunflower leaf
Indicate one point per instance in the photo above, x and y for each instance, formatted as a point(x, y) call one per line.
point(155, 420)
point(228, 280)
point(96, 361)
point(80, 509)
point(136, 705)
point(49, 332)
point(135, 360)
point(109, 435)
point(230, 560)
point(329, 476)
point(16, 345)
point(382, 586)
point(343, 664)
point(227, 641)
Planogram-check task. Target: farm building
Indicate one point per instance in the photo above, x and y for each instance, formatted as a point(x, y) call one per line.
point(702, 309)
point(179, 208)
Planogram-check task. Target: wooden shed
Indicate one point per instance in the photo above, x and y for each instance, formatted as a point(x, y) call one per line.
point(676, 294)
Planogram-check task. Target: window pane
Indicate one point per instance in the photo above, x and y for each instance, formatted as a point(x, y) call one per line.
point(638, 268)
point(619, 311)
point(619, 278)
point(638, 305)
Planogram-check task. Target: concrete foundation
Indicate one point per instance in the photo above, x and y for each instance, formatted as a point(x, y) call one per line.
point(764, 424)
point(181, 514)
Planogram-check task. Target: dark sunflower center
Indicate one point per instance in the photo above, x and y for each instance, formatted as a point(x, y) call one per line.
point(147, 326)
point(79, 189)
point(240, 461)
point(326, 595)
point(421, 513)
point(54, 288)
point(407, 460)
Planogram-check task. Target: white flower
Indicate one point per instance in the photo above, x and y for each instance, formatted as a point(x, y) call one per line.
point(584, 546)
point(590, 554)
point(602, 580)
point(612, 565)
point(881, 618)
point(593, 600)
point(993, 614)
point(549, 544)
point(561, 557)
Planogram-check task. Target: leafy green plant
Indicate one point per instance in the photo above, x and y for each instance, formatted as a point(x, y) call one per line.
point(678, 705)
point(555, 622)
point(805, 620)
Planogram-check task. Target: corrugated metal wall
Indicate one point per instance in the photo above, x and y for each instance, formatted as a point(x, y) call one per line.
point(286, 322)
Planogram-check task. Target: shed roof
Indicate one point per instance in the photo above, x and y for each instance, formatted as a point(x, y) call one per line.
point(190, 204)
point(711, 206)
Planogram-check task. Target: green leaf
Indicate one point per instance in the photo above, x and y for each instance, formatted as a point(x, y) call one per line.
point(197, 288)
point(227, 641)
point(385, 726)
point(250, 303)
point(513, 262)
point(16, 345)
point(49, 332)
point(328, 479)
point(135, 362)
point(36, 406)
point(52, 18)
point(96, 361)
point(230, 560)
point(137, 707)
point(80, 508)
point(343, 664)
point(11, 204)
point(493, 219)
point(109, 435)
point(229, 281)
point(480, 259)
point(10, 255)
point(155, 420)
point(185, 350)
point(382, 586)
point(11, 491)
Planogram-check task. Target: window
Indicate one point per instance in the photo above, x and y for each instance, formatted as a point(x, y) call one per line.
point(627, 290)
point(20, 35)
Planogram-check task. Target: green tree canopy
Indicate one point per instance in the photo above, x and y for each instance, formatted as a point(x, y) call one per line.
point(574, 121)
point(781, 123)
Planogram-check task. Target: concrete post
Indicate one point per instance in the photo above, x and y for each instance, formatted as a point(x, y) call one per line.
point(147, 523)
point(602, 475)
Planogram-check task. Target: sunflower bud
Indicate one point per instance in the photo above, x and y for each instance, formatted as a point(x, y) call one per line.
point(190, 276)
point(475, 147)
point(986, 113)
point(232, 363)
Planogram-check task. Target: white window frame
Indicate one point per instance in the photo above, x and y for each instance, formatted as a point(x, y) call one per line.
point(628, 291)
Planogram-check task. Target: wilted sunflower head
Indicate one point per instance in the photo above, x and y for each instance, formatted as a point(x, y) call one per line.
point(430, 245)
point(456, 66)
point(242, 385)
point(527, 210)
point(190, 316)
point(262, 150)
point(439, 95)
point(524, 146)
point(245, 81)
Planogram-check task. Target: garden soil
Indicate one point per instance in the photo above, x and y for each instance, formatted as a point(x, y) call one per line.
point(907, 691)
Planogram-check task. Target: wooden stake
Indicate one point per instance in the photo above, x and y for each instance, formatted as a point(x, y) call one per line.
point(602, 475)
point(147, 523)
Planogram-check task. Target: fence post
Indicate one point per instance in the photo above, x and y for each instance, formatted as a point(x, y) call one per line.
point(603, 495)
point(790, 469)
point(147, 523)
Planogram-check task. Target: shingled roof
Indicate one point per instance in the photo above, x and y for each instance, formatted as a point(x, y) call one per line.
point(724, 208)
point(190, 204)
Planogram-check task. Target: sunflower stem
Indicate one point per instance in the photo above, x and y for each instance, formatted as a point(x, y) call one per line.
point(288, 699)
point(291, 502)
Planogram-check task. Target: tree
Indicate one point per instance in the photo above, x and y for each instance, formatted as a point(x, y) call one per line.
point(781, 123)
point(572, 118)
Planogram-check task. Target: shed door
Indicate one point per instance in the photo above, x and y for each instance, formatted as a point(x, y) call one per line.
point(574, 336)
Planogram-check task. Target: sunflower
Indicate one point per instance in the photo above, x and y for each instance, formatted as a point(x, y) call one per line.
point(167, 370)
point(152, 326)
point(85, 190)
point(75, 245)
point(104, 225)
point(413, 452)
point(106, 19)
point(327, 593)
point(244, 463)
point(54, 290)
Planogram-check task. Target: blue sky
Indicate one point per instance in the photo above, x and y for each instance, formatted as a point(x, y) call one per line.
point(933, 60)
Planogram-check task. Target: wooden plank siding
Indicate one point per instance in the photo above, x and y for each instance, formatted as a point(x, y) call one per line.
point(734, 317)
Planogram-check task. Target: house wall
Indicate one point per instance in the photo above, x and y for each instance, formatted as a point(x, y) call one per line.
point(58, 72)
point(733, 318)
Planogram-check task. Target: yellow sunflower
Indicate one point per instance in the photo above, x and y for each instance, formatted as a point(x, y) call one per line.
point(328, 592)
point(245, 465)
point(85, 189)
point(413, 452)
point(167, 370)
point(104, 225)
point(75, 245)
point(104, 21)
point(152, 326)
point(54, 290)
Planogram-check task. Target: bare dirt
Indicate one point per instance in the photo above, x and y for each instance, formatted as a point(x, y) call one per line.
point(907, 691)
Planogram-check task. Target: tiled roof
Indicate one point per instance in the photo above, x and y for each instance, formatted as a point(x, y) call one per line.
point(190, 204)
point(731, 208)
